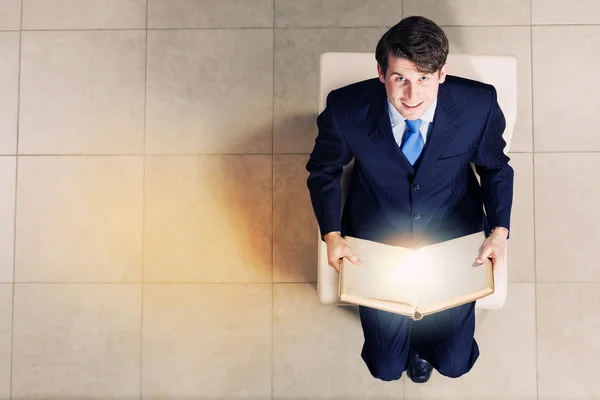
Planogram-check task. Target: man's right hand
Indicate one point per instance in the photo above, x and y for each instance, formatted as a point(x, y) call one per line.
point(337, 248)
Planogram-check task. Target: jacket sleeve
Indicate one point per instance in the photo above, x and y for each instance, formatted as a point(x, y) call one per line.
point(491, 164)
point(325, 166)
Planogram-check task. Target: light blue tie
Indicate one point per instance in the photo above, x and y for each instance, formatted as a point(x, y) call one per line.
point(413, 141)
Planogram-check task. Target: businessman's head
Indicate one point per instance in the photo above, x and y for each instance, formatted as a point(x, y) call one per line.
point(411, 62)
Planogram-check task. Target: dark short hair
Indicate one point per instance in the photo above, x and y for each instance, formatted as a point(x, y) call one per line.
point(416, 39)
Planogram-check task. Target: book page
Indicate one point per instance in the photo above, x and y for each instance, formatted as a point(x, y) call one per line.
point(439, 274)
point(451, 271)
point(386, 272)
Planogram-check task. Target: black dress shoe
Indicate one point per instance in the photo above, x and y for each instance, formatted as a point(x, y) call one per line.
point(419, 370)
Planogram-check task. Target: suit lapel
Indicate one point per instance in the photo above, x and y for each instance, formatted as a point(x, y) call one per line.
point(381, 132)
point(442, 131)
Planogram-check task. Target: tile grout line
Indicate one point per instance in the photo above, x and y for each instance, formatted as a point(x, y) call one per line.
point(16, 186)
point(287, 27)
point(143, 208)
point(537, 384)
point(272, 193)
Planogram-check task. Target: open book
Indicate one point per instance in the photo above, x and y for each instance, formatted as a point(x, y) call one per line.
point(416, 282)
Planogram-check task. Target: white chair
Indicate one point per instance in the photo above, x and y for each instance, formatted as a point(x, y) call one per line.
point(341, 69)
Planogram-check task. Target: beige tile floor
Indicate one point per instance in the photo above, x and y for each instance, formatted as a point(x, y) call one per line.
point(156, 235)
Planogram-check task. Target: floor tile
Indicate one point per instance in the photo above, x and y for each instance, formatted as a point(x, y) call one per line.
point(7, 216)
point(295, 233)
point(210, 91)
point(77, 340)
point(566, 200)
point(84, 14)
point(470, 12)
point(82, 92)
point(5, 339)
point(568, 345)
point(10, 18)
point(79, 219)
point(337, 13)
point(208, 218)
point(565, 105)
point(209, 341)
point(565, 12)
point(9, 91)
point(210, 14)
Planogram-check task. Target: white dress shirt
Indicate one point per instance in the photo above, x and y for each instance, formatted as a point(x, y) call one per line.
point(399, 124)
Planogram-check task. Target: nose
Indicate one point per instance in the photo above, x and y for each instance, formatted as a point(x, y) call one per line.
point(409, 93)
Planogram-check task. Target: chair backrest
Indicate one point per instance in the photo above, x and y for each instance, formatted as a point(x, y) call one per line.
point(341, 69)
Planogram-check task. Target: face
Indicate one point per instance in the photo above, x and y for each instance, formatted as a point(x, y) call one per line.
point(410, 91)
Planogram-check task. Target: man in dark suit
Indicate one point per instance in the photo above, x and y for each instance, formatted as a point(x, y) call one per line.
point(413, 133)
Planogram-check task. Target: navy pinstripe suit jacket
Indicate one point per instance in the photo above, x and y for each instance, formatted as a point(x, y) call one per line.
point(391, 201)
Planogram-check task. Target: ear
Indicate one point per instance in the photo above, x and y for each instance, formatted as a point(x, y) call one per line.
point(380, 73)
point(442, 73)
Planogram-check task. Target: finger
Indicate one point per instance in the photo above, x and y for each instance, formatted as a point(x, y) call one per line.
point(352, 257)
point(496, 263)
point(485, 253)
point(335, 265)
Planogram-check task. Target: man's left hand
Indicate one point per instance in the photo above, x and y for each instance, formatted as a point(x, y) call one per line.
point(494, 247)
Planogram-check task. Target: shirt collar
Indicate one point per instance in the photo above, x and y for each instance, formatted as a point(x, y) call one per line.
point(397, 118)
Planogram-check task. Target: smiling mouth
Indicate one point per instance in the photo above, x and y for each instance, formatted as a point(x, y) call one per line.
point(412, 105)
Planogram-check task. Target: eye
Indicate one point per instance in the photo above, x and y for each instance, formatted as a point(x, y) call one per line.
point(425, 78)
point(399, 78)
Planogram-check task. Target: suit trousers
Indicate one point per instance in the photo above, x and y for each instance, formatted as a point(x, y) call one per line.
point(445, 339)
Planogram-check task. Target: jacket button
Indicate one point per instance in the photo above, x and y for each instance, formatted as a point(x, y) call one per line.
point(416, 187)
point(417, 216)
